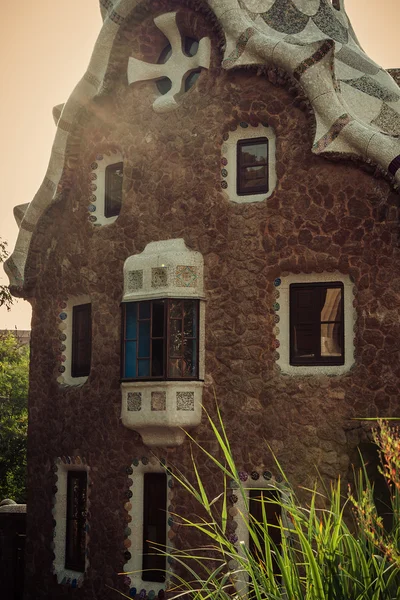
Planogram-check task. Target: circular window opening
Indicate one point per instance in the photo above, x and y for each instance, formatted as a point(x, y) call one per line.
point(164, 85)
point(190, 46)
point(165, 55)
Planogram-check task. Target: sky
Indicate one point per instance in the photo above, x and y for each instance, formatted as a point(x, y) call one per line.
point(45, 47)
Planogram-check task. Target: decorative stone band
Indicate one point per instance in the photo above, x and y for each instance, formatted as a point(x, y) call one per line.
point(332, 134)
point(240, 47)
point(312, 60)
point(133, 545)
point(238, 511)
point(161, 411)
point(61, 467)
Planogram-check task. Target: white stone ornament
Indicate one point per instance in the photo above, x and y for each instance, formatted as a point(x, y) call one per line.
point(176, 68)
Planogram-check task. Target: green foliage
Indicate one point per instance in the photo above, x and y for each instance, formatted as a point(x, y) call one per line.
point(14, 375)
point(319, 558)
point(5, 296)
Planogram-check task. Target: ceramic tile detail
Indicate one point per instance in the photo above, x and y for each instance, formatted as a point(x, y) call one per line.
point(159, 277)
point(135, 280)
point(185, 401)
point(134, 401)
point(158, 401)
point(185, 276)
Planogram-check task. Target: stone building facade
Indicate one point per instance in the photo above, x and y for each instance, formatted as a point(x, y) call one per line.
point(174, 90)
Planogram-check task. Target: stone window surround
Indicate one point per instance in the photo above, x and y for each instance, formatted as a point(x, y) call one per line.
point(246, 131)
point(97, 206)
point(282, 331)
point(241, 509)
point(65, 327)
point(133, 566)
point(63, 465)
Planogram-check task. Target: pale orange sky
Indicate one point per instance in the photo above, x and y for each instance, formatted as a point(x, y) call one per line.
point(45, 46)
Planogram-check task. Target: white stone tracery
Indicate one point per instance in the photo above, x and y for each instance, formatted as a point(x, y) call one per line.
point(177, 67)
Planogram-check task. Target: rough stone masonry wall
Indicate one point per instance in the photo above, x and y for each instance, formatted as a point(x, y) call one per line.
point(322, 217)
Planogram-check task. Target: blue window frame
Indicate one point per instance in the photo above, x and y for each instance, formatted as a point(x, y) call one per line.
point(161, 339)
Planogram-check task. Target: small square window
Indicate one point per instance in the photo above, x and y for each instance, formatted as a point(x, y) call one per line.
point(113, 189)
point(81, 340)
point(317, 324)
point(252, 166)
point(161, 339)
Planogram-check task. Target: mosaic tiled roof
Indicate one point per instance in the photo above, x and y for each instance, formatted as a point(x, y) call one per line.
point(356, 103)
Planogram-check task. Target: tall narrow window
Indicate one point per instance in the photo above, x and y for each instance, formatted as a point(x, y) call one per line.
point(267, 499)
point(316, 324)
point(161, 339)
point(75, 540)
point(154, 526)
point(81, 340)
point(113, 189)
point(252, 166)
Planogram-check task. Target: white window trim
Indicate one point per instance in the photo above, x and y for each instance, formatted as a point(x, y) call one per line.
point(64, 575)
point(282, 330)
point(229, 152)
point(133, 567)
point(65, 327)
point(241, 519)
point(97, 206)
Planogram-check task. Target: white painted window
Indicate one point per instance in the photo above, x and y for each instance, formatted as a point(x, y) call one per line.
point(335, 318)
point(248, 171)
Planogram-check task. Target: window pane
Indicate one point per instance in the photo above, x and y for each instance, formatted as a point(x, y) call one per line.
point(144, 339)
point(331, 336)
point(175, 309)
point(144, 310)
point(253, 176)
point(81, 340)
point(332, 308)
point(144, 368)
point(190, 358)
point(175, 367)
point(305, 305)
point(154, 526)
point(75, 540)
point(130, 359)
point(158, 319)
point(269, 500)
point(304, 341)
point(175, 337)
point(113, 186)
point(252, 153)
point(130, 320)
point(190, 319)
point(157, 362)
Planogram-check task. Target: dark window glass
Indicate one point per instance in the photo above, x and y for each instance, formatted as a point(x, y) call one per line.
point(75, 542)
point(316, 324)
point(161, 339)
point(154, 526)
point(268, 499)
point(81, 340)
point(252, 166)
point(191, 79)
point(113, 186)
point(191, 46)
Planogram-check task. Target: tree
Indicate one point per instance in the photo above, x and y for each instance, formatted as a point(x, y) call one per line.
point(14, 376)
point(5, 296)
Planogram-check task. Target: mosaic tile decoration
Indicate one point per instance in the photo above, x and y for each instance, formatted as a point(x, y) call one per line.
point(185, 400)
point(332, 134)
point(288, 24)
point(388, 120)
point(185, 276)
point(135, 280)
point(312, 60)
point(159, 277)
point(134, 401)
point(158, 401)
